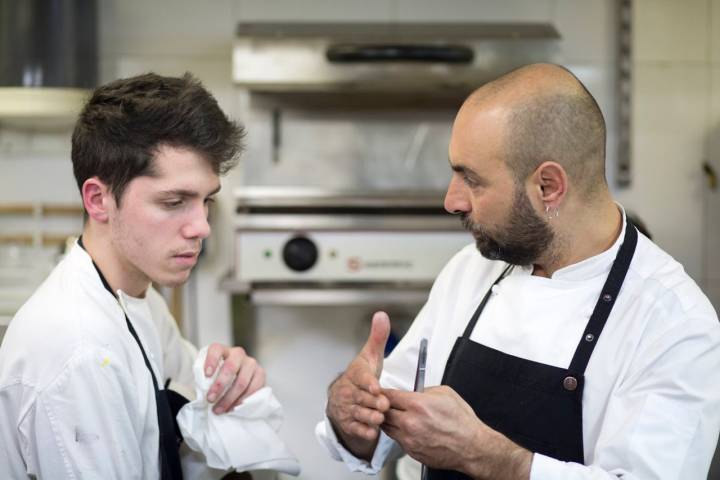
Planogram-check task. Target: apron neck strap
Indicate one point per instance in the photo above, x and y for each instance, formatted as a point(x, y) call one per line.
point(605, 302)
point(127, 320)
point(471, 326)
point(102, 277)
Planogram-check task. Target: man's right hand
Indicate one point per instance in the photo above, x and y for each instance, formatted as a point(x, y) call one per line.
point(356, 405)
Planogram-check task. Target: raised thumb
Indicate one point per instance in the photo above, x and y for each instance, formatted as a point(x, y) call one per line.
point(374, 348)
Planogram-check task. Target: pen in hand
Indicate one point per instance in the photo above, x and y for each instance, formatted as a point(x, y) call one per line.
point(420, 372)
point(420, 383)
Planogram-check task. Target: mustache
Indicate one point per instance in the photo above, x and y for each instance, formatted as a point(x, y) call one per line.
point(468, 224)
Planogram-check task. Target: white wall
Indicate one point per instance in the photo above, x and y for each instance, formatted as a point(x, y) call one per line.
point(676, 119)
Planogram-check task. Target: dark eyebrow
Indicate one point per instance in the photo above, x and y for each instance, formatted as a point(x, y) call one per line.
point(457, 168)
point(463, 169)
point(180, 192)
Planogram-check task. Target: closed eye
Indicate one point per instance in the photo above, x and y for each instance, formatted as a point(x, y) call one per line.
point(170, 204)
point(470, 182)
point(469, 177)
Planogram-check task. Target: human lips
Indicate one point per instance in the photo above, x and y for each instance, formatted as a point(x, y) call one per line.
point(188, 257)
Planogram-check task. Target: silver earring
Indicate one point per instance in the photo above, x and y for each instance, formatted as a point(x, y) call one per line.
point(555, 213)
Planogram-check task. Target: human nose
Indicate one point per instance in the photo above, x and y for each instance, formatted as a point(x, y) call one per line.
point(456, 200)
point(198, 225)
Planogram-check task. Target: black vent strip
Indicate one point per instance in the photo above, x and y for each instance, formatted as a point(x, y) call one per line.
point(323, 210)
point(354, 53)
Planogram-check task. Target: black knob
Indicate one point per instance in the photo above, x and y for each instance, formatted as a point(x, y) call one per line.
point(300, 253)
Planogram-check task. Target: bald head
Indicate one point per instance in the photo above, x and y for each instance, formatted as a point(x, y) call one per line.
point(549, 116)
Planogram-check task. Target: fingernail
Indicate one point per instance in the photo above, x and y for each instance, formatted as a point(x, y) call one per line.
point(211, 397)
point(217, 410)
point(208, 371)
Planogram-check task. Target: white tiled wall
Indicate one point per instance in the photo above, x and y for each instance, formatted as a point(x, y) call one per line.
point(314, 11)
point(671, 31)
point(475, 10)
point(585, 27)
point(675, 120)
point(669, 119)
point(712, 197)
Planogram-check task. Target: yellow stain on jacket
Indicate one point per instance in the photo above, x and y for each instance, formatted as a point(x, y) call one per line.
point(105, 362)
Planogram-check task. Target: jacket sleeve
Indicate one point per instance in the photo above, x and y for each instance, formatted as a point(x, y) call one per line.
point(90, 423)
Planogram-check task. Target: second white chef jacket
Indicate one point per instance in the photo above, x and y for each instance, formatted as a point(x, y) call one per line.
point(76, 399)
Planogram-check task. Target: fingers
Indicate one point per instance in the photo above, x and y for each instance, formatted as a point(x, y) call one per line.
point(362, 430)
point(368, 400)
point(356, 404)
point(256, 383)
point(356, 411)
point(367, 416)
point(248, 380)
point(361, 376)
point(215, 352)
point(398, 399)
point(374, 349)
point(344, 396)
point(395, 425)
point(234, 358)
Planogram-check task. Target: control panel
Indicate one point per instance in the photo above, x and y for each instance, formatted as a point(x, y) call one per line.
point(345, 255)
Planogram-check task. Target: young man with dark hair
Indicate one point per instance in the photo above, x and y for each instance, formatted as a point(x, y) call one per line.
point(85, 363)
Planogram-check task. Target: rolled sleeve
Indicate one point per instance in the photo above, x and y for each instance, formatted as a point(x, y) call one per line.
point(327, 438)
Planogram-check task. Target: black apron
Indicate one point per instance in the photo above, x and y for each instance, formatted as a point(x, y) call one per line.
point(537, 406)
point(168, 404)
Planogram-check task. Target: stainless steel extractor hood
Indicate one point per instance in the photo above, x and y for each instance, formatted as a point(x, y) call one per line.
point(48, 60)
point(389, 57)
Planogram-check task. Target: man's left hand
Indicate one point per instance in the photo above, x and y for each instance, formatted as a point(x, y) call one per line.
point(240, 376)
point(439, 429)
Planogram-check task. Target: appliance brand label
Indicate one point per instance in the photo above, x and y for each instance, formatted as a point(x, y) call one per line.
point(355, 264)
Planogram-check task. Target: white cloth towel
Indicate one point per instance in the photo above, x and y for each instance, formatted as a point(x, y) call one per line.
point(245, 438)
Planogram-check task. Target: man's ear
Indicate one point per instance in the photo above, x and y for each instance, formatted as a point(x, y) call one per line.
point(97, 199)
point(552, 183)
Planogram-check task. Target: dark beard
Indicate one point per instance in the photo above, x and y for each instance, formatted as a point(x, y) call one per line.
point(521, 242)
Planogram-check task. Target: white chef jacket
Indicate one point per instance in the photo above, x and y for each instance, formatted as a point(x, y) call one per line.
point(651, 403)
point(76, 399)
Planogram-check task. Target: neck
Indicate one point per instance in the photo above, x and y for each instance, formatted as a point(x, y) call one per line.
point(117, 272)
point(581, 232)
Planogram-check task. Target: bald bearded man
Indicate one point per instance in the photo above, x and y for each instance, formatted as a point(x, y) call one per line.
point(563, 344)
